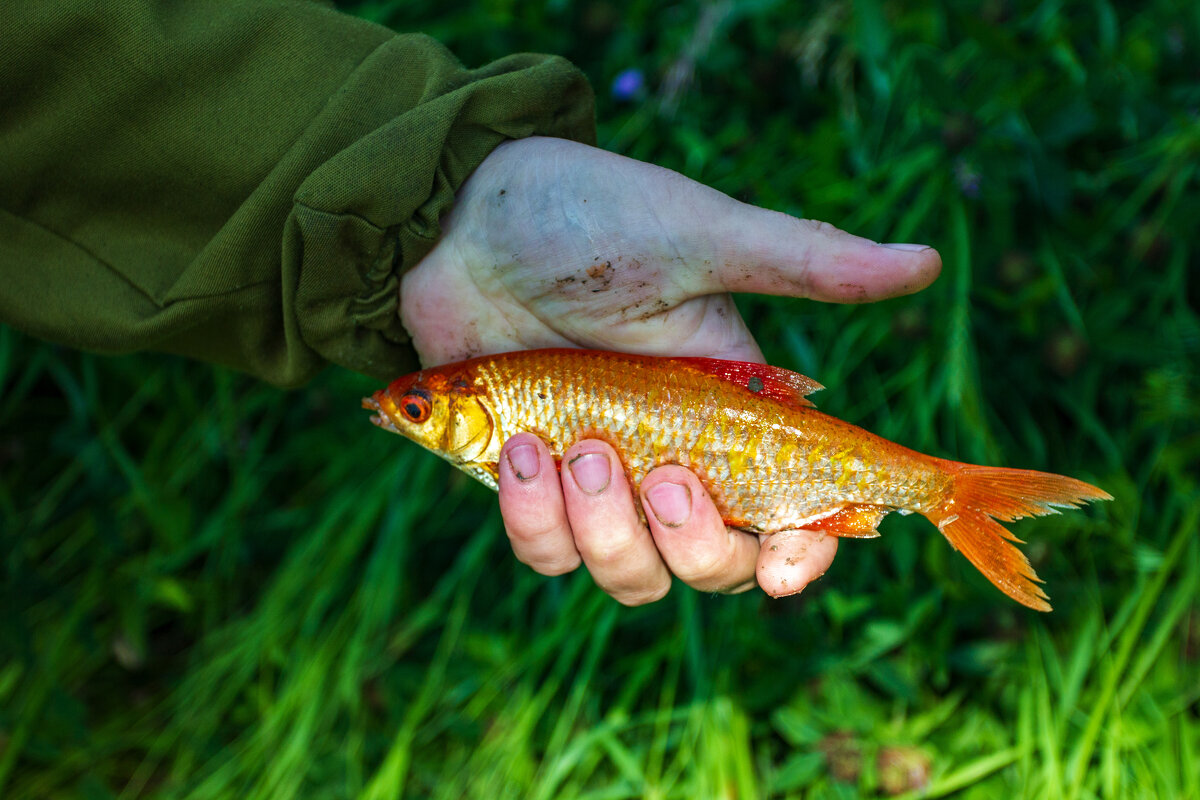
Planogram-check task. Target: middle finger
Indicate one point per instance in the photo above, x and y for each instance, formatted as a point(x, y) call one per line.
point(616, 547)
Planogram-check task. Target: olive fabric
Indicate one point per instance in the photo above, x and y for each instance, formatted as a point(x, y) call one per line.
point(243, 183)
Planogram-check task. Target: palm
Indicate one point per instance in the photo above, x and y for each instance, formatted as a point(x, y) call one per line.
point(588, 263)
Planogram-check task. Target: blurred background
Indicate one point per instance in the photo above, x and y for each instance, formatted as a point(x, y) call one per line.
point(216, 589)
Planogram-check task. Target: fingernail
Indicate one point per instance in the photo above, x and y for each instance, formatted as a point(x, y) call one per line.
point(671, 503)
point(524, 462)
point(906, 246)
point(591, 471)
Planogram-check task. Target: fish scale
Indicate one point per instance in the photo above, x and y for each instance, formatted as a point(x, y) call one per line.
point(734, 452)
point(769, 460)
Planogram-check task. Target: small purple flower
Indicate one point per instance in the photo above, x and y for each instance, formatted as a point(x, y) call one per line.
point(967, 178)
point(628, 85)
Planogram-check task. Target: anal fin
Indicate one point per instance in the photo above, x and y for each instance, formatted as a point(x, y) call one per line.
point(855, 521)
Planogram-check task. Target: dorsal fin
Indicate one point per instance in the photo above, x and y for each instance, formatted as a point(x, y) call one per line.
point(761, 379)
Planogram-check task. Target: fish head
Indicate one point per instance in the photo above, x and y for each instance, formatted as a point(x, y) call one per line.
point(443, 412)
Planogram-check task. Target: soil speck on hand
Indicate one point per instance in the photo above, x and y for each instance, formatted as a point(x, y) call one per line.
point(857, 291)
point(596, 270)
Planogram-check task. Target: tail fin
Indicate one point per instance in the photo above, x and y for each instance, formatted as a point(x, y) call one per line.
point(983, 495)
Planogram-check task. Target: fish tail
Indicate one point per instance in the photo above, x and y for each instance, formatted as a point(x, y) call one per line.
point(983, 495)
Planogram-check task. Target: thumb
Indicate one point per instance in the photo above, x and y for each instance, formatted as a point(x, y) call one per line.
point(771, 253)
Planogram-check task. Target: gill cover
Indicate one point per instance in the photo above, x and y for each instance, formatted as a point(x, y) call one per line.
point(469, 430)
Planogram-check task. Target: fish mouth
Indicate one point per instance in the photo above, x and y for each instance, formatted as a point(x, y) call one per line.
point(381, 418)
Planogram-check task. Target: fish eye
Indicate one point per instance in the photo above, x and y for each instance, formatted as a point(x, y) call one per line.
point(415, 406)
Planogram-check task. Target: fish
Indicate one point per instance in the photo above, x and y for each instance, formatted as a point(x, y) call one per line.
point(770, 460)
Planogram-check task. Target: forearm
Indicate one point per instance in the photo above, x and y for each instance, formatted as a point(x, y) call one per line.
point(241, 183)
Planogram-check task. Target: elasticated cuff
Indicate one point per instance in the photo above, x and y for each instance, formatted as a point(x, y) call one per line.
point(373, 210)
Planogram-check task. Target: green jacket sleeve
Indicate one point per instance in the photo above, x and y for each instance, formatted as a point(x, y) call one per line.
point(243, 183)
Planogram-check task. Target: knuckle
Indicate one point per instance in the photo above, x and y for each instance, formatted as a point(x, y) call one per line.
point(818, 226)
point(641, 597)
point(709, 555)
point(557, 567)
point(543, 529)
point(532, 525)
point(605, 551)
point(706, 566)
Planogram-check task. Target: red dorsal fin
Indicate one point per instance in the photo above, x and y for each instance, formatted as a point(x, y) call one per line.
point(761, 379)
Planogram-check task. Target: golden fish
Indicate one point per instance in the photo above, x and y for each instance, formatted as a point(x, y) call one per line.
point(770, 460)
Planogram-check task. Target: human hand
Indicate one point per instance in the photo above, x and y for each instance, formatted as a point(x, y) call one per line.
point(556, 244)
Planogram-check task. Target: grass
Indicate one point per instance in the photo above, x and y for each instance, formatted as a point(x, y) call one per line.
point(215, 589)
